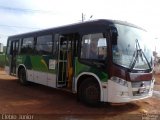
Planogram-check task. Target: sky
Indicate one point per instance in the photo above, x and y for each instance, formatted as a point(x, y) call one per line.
point(20, 16)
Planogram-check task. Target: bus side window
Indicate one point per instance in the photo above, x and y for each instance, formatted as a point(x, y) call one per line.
point(27, 45)
point(44, 44)
point(94, 47)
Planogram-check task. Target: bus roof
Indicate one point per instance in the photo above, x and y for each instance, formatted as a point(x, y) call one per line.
point(74, 27)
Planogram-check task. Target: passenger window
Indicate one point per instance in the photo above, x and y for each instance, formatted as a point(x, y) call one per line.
point(27, 45)
point(94, 46)
point(44, 44)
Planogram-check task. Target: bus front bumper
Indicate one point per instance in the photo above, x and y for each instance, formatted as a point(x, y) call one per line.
point(120, 93)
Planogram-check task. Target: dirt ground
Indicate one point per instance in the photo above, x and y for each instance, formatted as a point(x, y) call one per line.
point(43, 103)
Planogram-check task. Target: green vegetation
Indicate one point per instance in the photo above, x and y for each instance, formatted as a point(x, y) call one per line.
point(2, 60)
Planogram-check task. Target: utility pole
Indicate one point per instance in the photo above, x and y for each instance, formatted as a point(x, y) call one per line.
point(83, 17)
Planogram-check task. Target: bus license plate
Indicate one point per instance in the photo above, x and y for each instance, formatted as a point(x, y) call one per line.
point(142, 90)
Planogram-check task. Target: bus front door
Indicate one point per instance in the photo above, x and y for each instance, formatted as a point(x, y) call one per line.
point(65, 46)
point(61, 61)
point(14, 53)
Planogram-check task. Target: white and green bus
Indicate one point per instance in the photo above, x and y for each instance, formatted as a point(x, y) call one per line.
point(100, 60)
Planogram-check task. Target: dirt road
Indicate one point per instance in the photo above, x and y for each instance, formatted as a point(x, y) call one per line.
point(40, 102)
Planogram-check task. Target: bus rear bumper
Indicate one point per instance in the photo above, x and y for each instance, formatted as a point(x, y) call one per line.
point(118, 93)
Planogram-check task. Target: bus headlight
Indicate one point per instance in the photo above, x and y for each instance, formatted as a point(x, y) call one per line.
point(119, 81)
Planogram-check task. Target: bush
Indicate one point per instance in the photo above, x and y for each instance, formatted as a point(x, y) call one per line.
point(2, 60)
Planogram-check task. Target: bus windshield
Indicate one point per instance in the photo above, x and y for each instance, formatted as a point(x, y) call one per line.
point(132, 49)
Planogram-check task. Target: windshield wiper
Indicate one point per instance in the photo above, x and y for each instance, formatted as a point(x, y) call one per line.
point(136, 55)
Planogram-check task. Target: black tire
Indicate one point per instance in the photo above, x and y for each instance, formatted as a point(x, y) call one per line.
point(89, 92)
point(22, 76)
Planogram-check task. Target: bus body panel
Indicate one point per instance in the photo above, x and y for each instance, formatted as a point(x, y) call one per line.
point(80, 67)
point(47, 79)
point(36, 62)
point(38, 69)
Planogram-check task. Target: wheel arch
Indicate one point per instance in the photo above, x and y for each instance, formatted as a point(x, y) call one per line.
point(81, 77)
point(20, 67)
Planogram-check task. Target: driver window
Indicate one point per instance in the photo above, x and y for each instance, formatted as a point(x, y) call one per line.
point(94, 46)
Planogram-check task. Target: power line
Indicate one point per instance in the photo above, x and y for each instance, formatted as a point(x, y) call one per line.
point(3, 34)
point(25, 10)
point(19, 27)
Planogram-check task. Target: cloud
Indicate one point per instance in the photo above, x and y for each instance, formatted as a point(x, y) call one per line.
point(29, 14)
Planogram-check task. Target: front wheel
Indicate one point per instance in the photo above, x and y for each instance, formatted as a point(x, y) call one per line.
point(22, 76)
point(89, 92)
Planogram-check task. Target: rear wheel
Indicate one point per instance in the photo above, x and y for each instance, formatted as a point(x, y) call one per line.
point(89, 92)
point(22, 76)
